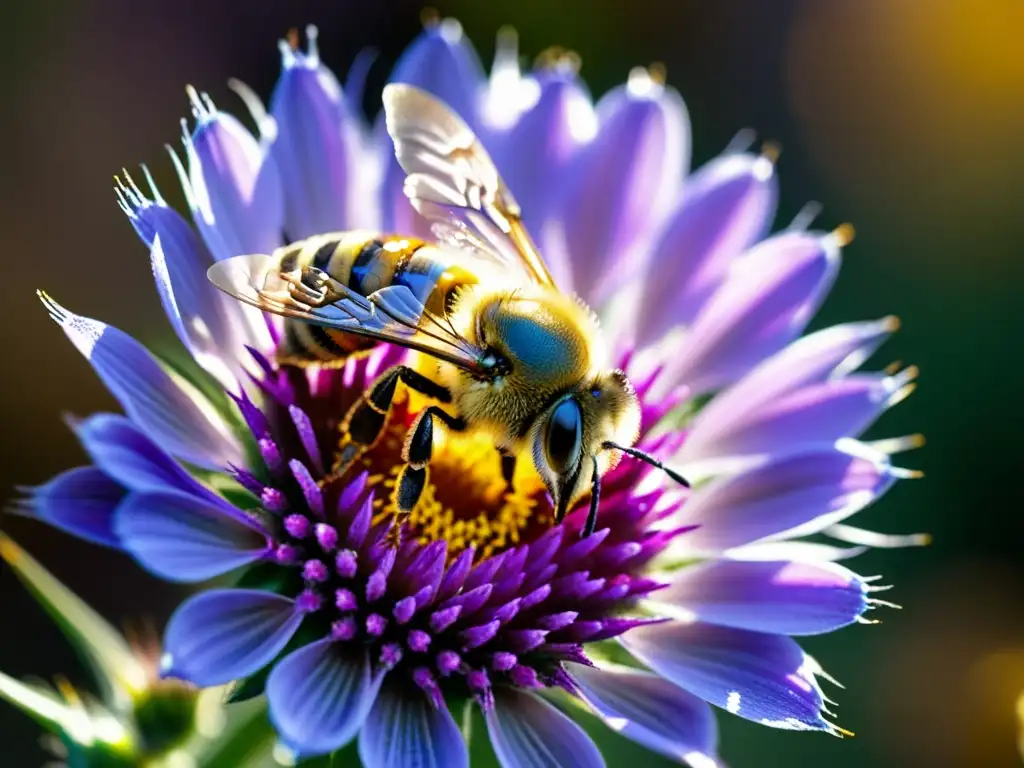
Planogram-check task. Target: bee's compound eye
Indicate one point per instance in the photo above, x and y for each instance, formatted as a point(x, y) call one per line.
point(563, 437)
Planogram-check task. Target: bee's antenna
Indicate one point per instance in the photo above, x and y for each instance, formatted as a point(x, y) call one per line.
point(645, 457)
point(595, 499)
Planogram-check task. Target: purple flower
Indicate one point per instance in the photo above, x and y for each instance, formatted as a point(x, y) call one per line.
point(485, 601)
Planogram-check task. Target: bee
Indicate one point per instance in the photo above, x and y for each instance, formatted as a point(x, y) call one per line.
point(509, 354)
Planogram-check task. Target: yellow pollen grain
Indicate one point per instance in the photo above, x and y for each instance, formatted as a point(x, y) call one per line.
point(430, 17)
point(465, 500)
point(844, 234)
point(771, 151)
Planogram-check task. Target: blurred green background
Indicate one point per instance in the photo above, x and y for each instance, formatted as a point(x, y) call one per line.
point(901, 116)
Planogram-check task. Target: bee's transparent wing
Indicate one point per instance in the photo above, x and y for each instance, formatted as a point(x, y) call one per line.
point(453, 181)
point(393, 314)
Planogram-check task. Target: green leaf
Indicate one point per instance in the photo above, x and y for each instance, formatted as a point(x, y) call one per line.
point(271, 577)
point(246, 739)
point(165, 716)
point(36, 701)
point(118, 671)
point(92, 736)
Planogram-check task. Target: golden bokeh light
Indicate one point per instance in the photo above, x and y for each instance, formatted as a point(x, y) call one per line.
point(901, 101)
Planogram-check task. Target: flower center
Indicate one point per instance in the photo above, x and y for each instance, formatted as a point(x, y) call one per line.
point(466, 501)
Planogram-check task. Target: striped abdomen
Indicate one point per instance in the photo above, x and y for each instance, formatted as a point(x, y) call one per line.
point(365, 262)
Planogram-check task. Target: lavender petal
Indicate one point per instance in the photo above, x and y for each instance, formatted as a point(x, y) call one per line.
point(813, 417)
point(765, 303)
point(129, 457)
point(797, 494)
point(318, 148)
point(82, 502)
point(174, 415)
point(527, 732)
point(826, 355)
point(726, 207)
point(535, 155)
point(235, 187)
point(213, 327)
point(183, 539)
point(623, 182)
point(788, 598)
point(650, 710)
point(403, 730)
point(442, 62)
point(225, 634)
point(762, 677)
point(319, 696)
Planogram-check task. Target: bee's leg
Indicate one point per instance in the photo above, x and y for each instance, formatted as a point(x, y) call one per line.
point(595, 500)
point(416, 453)
point(508, 470)
point(365, 420)
point(315, 288)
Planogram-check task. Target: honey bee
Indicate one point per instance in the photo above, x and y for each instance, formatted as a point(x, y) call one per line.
point(509, 354)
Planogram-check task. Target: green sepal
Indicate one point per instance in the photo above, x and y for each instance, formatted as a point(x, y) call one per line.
point(114, 667)
point(165, 716)
point(271, 577)
point(247, 739)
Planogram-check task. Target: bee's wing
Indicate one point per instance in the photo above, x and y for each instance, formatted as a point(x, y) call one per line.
point(453, 181)
point(393, 314)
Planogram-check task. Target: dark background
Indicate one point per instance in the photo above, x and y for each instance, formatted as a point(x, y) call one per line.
point(902, 116)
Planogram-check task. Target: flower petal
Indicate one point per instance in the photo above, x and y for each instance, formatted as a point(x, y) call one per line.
point(128, 456)
point(650, 710)
point(317, 149)
point(441, 61)
point(234, 185)
point(176, 416)
point(762, 677)
point(116, 666)
point(788, 598)
point(802, 493)
point(624, 181)
point(213, 327)
point(829, 353)
point(403, 730)
point(184, 539)
point(813, 417)
point(320, 695)
point(527, 732)
point(81, 502)
point(225, 634)
point(764, 304)
point(535, 155)
point(726, 207)
point(804, 551)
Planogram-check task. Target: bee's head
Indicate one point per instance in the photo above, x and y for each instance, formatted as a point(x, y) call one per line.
point(569, 439)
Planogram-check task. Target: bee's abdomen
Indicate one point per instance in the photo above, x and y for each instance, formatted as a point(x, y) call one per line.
point(365, 262)
point(306, 344)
